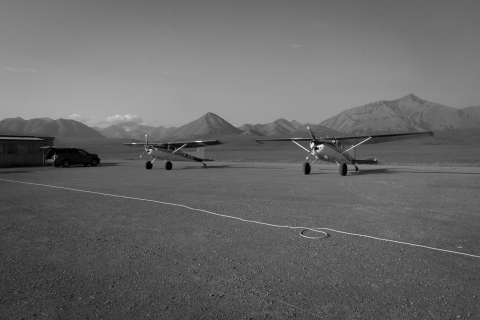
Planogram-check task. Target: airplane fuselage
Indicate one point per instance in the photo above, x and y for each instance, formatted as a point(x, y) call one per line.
point(168, 155)
point(331, 152)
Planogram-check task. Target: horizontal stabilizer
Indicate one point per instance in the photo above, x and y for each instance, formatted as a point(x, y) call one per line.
point(366, 161)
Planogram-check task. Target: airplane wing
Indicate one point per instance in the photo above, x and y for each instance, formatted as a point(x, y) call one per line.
point(133, 144)
point(380, 138)
point(184, 144)
point(357, 139)
point(284, 139)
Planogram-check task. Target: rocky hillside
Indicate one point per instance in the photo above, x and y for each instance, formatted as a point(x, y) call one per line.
point(409, 113)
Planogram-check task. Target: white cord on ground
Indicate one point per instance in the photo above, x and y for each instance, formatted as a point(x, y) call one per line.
point(303, 229)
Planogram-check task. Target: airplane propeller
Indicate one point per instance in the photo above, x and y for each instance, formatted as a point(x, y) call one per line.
point(146, 145)
point(311, 133)
point(314, 143)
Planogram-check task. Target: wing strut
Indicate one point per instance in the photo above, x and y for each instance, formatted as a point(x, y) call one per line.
point(180, 148)
point(166, 158)
point(301, 146)
point(352, 147)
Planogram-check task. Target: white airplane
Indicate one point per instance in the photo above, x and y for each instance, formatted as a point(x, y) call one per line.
point(333, 150)
point(172, 151)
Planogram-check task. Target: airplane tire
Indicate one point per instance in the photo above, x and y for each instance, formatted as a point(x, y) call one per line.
point(306, 168)
point(148, 165)
point(168, 165)
point(343, 169)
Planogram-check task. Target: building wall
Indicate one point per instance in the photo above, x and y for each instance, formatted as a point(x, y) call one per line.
point(23, 153)
point(21, 160)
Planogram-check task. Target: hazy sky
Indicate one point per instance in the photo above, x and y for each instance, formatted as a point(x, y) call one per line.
point(169, 62)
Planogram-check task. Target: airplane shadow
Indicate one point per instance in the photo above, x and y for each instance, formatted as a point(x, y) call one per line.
point(444, 172)
point(203, 168)
point(358, 173)
point(102, 164)
point(393, 171)
point(227, 166)
point(370, 171)
point(316, 173)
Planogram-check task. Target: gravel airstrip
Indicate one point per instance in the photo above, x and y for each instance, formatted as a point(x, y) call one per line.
point(235, 241)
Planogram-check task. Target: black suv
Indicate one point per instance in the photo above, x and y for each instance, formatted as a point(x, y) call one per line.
point(67, 156)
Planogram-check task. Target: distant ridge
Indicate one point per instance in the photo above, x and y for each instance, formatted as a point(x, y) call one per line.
point(133, 130)
point(406, 114)
point(207, 125)
point(319, 131)
point(48, 127)
point(285, 128)
point(277, 127)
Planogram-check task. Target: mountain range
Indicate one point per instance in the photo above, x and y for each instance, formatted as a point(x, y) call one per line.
point(48, 127)
point(133, 130)
point(407, 114)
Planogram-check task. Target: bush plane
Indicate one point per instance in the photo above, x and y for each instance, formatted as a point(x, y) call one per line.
point(333, 150)
point(172, 151)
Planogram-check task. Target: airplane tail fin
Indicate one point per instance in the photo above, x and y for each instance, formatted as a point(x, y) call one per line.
point(200, 153)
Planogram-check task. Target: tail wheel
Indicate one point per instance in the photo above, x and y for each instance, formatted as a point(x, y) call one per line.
point(148, 165)
point(342, 169)
point(168, 165)
point(306, 168)
point(65, 163)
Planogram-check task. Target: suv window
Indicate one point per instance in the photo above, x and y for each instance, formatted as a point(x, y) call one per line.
point(82, 152)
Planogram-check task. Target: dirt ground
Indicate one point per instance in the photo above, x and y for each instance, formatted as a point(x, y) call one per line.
point(225, 242)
